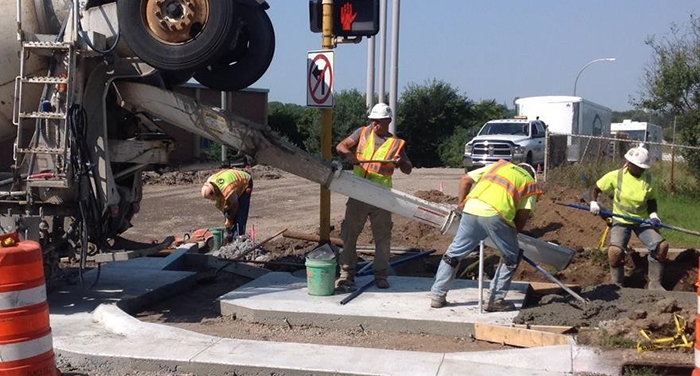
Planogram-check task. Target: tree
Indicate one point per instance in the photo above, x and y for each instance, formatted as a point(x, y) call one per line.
point(349, 113)
point(428, 116)
point(284, 118)
point(672, 82)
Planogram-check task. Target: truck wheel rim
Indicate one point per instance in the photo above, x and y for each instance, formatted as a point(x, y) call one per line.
point(176, 21)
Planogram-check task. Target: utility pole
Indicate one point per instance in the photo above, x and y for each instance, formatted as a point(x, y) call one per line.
point(326, 127)
point(370, 71)
point(224, 106)
point(382, 50)
point(673, 155)
point(394, 89)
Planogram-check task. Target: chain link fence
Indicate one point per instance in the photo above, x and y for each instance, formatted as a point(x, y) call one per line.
point(580, 160)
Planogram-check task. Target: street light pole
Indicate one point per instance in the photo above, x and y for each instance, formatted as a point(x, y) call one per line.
point(586, 66)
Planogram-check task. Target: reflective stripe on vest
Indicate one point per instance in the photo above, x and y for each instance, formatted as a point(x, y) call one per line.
point(504, 187)
point(377, 172)
point(228, 182)
point(640, 211)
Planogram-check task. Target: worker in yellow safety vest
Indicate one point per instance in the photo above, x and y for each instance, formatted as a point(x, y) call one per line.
point(231, 189)
point(377, 153)
point(633, 195)
point(498, 207)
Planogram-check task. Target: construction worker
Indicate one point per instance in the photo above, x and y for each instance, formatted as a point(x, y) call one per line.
point(503, 198)
point(633, 196)
point(231, 189)
point(371, 143)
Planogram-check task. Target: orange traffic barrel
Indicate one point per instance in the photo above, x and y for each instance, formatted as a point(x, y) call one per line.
point(696, 371)
point(26, 347)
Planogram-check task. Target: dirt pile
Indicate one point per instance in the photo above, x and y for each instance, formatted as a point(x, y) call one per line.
point(178, 177)
point(620, 311)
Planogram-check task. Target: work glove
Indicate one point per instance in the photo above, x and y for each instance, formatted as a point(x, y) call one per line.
point(655, 220)
point(595, 208)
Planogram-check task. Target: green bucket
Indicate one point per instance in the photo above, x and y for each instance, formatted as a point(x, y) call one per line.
point(218, 237)
point(320, 276)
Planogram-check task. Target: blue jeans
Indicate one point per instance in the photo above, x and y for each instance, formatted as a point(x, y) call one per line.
point(620, 235)
point(472, 230)
point(239, 225)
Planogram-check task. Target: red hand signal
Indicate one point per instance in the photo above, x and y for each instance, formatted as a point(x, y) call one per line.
point(347, 17)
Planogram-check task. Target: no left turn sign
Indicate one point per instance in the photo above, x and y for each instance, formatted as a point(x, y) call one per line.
point(319, 79)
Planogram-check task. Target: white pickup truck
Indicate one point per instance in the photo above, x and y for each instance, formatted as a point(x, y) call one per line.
point(517, 140)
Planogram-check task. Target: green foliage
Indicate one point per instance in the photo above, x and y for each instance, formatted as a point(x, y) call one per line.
point(428, 116)
point(672, 82)
point(452, 150)
point(284, 118)
point(349, 114)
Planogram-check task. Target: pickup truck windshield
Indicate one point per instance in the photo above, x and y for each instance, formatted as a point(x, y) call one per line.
point(505, 128)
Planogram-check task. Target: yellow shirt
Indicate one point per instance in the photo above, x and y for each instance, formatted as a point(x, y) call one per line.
point(479, 208)
point(632, 197)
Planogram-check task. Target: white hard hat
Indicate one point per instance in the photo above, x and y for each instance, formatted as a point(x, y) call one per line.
point(638, 156)
point(380, 111)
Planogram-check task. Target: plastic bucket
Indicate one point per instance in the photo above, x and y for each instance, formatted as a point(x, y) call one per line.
point(218, 237)
point(320, 276)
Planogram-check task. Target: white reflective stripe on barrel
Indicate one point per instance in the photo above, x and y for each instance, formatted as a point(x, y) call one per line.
point(697, 358)
point(698, 304)
point(22, 298)
point(27, 349)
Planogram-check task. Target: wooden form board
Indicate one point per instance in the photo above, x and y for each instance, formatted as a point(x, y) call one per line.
point(520, 337)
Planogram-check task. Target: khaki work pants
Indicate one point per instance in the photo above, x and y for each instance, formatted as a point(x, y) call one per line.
point(356, 214)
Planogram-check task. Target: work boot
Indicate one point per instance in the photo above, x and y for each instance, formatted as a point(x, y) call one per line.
point(655, 274)
point(438, 302)
point(381, 282)
point(346, 281)
point(499, 305)
point(617, 275)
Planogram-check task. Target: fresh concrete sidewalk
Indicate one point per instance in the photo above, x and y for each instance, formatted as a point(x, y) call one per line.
point(91, 328)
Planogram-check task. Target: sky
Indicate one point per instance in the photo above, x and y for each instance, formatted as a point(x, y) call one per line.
point(495, 49)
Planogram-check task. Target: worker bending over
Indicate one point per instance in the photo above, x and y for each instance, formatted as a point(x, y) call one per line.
point(231, 189)
point(372, 143)
point(503, 198)
point(633, 196)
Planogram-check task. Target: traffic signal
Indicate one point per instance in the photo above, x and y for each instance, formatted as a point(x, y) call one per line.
point(355, 18)
point(352, 18)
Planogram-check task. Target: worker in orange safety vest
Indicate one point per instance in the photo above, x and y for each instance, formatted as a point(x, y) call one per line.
point(231, 189)
point(377, 153)
point(498, 207)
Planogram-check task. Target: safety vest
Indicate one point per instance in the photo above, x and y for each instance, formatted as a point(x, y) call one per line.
point(503, 187)
point(377, 172)
point(228, 182)
point(626, 202)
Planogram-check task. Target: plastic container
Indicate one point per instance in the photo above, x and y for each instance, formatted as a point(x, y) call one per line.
point(320, 271)
point(218, 238)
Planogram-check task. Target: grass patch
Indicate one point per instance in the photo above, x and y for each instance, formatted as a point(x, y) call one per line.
point(607, 340)
point(680, 211)
point(639, 371)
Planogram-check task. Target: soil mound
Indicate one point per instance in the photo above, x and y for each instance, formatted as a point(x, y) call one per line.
point(178, 177)
point(619, 311)
point(436, 196)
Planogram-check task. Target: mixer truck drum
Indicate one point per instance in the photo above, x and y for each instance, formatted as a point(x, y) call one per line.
point(245, 63)
point(179, 35)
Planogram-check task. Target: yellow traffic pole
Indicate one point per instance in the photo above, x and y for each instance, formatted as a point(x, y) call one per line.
point(326, 127)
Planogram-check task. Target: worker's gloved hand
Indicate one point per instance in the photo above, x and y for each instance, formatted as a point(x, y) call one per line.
point(655, 220)
point(595, 208)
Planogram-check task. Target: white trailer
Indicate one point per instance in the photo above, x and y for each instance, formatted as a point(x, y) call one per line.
point(643, 132)
point(571, 116)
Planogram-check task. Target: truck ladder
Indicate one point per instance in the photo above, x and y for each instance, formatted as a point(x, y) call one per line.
point(42, 145)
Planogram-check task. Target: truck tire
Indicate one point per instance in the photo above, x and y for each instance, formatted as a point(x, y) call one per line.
point(179, 35)
point(243, 65)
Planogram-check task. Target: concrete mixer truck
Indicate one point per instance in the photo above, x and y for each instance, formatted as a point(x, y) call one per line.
point(84, 87)
point(78, 156)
